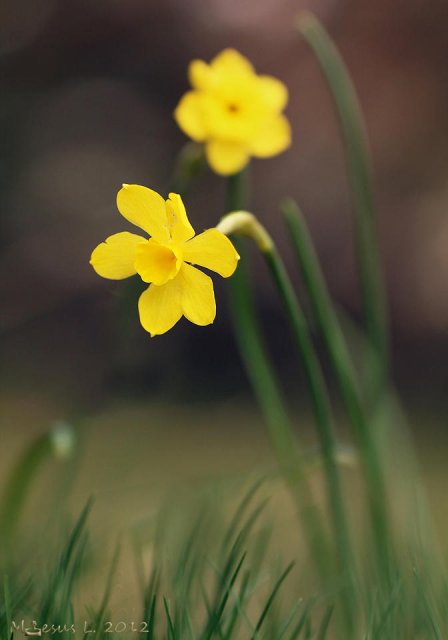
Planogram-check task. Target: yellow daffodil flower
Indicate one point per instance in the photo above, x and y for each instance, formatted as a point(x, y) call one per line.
point(234, 112)
point(166, 259)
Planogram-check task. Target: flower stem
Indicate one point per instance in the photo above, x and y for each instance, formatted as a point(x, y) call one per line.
point(260, 371)
point(190, 163)
point(237, 194)
point(321, 405)
point(264, 382)
point(329, 327)
point(358, 162)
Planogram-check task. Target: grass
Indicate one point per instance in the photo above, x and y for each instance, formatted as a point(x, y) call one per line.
point(210, 576)
point(206, 569)
point(183, 558)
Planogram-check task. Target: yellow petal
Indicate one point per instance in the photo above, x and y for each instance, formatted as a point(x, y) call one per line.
point(178, 223)
point(144, 208)
point(197, 295)
point(212, 250)
point(189, 116)
point(114, 258)
point(273, 92)
point(272, 138)
point(160, 307)
point(156, 262)
point(200, 75)
point(226, 158)
point(231, 62)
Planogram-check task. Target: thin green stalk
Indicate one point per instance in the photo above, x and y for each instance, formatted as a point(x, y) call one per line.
point(237, 194)
point(251, 343)
point(245, 223)
point(267, 391)
point(329, 327)
point(355, 140)
point(190, 163)
point(320, 402)
point(259, 368)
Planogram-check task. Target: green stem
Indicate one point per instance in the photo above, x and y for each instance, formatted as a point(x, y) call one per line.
point(355, 140)
point(264, 382)
point(321, 406)
point(237, 194)
point(329, 327)
point(259, 367)
point(190, 163)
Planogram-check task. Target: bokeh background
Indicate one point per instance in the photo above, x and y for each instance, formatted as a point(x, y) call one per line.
point(88, 92)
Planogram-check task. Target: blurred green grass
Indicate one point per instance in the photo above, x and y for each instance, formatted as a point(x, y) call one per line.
point(135, 457)
point(133, 453)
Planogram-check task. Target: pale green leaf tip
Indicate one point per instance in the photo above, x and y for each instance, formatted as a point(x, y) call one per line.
point(306, 20)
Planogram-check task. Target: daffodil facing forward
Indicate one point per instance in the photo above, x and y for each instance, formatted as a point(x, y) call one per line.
point(165, 259)
point(234, 112)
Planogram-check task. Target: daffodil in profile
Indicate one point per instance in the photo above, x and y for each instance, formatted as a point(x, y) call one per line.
point(234, 112)
point(166, 259)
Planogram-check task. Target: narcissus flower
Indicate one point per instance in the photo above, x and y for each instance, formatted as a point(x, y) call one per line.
point(165, 259)
point(234, 112)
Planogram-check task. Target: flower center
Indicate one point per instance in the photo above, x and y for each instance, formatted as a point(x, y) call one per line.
point(233, 108)
point(156, 262)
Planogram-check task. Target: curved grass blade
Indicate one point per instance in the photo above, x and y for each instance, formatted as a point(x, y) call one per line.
point(358, 162)
point(271, 599)
point(328, 325)
point(267, 391)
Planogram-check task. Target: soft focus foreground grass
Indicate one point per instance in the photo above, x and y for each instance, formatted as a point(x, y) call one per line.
point(139, 451)
point(135, 456)
point(155, 470)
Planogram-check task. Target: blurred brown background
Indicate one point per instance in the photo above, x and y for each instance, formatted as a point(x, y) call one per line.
point(88, 91)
